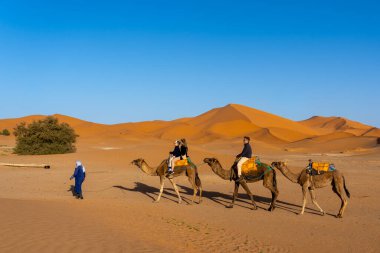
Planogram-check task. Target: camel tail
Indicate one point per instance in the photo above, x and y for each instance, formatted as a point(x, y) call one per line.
point(345, 188)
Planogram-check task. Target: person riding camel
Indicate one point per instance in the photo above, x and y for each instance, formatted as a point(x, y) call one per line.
point(184, 149)
point(244, 156)
point(310, 170)
point(175, 155)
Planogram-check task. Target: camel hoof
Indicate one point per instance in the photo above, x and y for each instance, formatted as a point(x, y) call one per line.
point(270, 209)
point(323, 213)
point(254, 208)
point(339, 216)
point(299, 213)
point(230, 206)
point(155, 201)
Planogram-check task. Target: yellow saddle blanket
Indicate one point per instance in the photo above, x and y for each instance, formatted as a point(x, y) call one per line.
point(183, 162)
point(321, 166)
point(249, 166)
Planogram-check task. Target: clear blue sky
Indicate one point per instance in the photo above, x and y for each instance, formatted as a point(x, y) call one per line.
point(121, 61)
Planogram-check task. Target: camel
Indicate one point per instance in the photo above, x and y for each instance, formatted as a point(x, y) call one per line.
point(265, 173)
point(190, 171)
point(308, 182)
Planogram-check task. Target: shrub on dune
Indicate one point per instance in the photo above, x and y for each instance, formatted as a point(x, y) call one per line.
point(43, 137)
point(5, 132)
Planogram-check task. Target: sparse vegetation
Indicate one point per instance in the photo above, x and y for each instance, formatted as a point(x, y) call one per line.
point(46, 136)
point(5, 132)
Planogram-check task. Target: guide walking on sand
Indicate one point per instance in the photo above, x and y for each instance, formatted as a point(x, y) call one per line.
point(79, 175)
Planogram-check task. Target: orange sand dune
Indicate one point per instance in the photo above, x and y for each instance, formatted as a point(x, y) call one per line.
point(333, 124)
point(372, 132)
point(338, 145)
point(224, 123)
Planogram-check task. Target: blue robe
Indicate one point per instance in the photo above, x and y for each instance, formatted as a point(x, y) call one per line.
point(79, 175)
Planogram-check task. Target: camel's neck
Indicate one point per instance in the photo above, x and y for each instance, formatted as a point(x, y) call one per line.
point(218, 170)
point(148, 170)
point(288, 174)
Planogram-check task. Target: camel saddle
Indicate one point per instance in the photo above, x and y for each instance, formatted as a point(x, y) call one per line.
point(183, 162)
point(318, 168)
point(250, 166)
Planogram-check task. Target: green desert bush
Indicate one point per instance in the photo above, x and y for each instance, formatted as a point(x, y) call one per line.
point(43, 137)
point(5, 132)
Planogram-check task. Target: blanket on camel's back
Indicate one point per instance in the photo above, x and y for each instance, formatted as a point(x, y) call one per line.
point(183, 162)
point(249, 166)
point(318, 168)
point(254, 169)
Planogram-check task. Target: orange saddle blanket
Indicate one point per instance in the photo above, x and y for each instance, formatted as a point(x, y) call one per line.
point(183, 162)
point(321, 166)
point(249, 166)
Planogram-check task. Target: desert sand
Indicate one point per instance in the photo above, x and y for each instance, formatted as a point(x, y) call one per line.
point(39, 214)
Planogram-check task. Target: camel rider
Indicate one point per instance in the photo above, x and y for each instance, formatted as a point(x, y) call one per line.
point(184, 149)
point(244, 156)
point(175, 155)
point(310, 166)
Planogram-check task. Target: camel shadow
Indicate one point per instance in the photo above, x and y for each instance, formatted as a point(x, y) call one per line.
point(151, 191)
point(222, 199)
point(294, 208)
point(225, 199)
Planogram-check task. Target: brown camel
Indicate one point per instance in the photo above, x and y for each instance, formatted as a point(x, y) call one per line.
point(190, 171)
point(265, 173)
point(308, 182)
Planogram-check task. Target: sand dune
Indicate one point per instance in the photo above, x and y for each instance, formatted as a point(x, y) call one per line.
point(334, 124)
point(227, 123)
point(337, 145)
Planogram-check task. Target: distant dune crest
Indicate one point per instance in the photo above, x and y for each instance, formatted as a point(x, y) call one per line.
point(230, 123)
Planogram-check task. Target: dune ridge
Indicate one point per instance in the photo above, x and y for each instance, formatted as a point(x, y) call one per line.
point(229, 123)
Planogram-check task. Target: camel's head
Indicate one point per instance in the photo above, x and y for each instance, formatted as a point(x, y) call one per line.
point(210, 161)
point(138, 162)
point(278, 164)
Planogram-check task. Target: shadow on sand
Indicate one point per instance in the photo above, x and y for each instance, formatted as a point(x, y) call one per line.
point(223, 199)
point(72, 190)
point(152, 192)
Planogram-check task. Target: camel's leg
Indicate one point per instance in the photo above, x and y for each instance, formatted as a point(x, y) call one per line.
point(338, 189)
point(200, 194)
point(162, 180)
point(304, 191)
point(234, 195)
point(245, 186)
point(314, 200)
point(199, 186)
point(268, 183)
point(176, 190)
point(195, 188)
